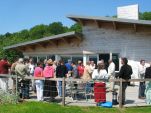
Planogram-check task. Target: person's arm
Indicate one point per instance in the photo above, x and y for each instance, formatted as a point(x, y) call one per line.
point(95, 74)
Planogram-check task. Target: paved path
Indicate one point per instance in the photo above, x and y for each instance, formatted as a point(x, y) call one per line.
point(131, 99)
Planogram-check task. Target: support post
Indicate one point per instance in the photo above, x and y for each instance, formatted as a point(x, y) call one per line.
point(63, 91)
point(120, 94)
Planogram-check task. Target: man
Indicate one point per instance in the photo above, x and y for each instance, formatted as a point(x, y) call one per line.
point(111, 73)
point(148, 85)
point(21, 70)
point(141, 70)
point(61, 72)
point(4, 66)
point(69, 68)
point(125, 73)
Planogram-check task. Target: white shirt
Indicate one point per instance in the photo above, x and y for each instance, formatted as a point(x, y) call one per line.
point(31, 68)
point(141, 71)
point(101, 75)
point(111, 69)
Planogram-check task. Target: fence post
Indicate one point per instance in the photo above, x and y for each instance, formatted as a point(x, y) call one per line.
point(120, 94)
point(63, 91)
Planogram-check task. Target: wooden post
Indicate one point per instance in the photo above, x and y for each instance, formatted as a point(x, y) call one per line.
point(120, 95)
point(63, 91)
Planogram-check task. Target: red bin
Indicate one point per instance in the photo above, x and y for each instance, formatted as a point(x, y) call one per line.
point(100, 92)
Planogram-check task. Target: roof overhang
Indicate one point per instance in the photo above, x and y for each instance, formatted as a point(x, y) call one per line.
point(44, 41)
point(78, 18)
point(111, 20)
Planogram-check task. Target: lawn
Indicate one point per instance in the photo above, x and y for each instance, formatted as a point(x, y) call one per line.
point(41, 107)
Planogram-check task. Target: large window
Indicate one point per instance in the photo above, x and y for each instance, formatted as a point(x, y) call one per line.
point(93, 58)
point(65, 58)
point(115, 58)
point(77, 58)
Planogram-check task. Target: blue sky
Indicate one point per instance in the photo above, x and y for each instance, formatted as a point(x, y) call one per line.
point(16, 15)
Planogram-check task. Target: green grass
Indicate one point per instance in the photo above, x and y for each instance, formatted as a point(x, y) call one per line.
point(41, 107)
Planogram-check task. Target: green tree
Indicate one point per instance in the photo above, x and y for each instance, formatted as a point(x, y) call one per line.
point(56, 28)
point(145, 16)
point(76, 27)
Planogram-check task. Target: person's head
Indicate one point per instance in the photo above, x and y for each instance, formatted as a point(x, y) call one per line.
point(4, 58)
point(39, 64)
point(110, 61)
point(101, 61)
point(54, 62)
point(31, 60)
point(21, 60)
point(100, 66)
point(73, 64)
point(92, 62)
point(88, 63)
point(79, 62)
point(124, 61)
point(45, 61)
point(61, 62)
point(26, 60)
point(49, 62)
point(142, 62)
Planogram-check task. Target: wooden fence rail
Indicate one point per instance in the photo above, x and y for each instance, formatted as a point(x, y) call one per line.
point(64, 80)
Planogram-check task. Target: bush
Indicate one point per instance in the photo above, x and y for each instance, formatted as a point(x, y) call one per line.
point(7, 97)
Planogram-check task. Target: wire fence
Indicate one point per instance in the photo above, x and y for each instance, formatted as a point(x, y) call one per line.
point(70, 91)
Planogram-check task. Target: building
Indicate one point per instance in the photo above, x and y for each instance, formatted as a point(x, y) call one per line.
point(101, 38)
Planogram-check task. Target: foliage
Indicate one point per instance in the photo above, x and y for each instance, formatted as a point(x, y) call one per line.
point(36, 32)
point(145, 16)
point(8, 97)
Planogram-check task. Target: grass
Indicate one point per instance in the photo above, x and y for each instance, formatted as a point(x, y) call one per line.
point(42, 107)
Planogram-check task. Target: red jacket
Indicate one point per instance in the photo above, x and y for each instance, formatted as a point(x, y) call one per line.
point(4, 66)
point(80, 70)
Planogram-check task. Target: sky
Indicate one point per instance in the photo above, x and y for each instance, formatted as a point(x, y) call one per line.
point(16, 15)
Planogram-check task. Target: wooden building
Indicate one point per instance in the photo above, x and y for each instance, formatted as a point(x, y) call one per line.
point(101, 38)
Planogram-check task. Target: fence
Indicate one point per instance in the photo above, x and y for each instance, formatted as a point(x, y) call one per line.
point(80, 92)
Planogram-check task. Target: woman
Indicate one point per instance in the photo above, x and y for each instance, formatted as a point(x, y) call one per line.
point(80, 69)
point(100, 86)
point(38, 72)
point(87, 77)
point(50, 86)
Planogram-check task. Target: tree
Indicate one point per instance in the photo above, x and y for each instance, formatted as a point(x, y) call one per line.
point(76, 27)
point(145, 16)
point(56, 28)
point(38, 31)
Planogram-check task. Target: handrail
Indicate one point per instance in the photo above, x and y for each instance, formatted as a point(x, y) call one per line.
point(69, 79)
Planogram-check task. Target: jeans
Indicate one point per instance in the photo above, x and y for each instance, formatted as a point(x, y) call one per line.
point(25, 88)
point(60, 88)
point(88, 87)
point(141, 89)
point(39, 89)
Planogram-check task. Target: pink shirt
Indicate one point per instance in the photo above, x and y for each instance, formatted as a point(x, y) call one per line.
point(48, 71)
point(38, 72)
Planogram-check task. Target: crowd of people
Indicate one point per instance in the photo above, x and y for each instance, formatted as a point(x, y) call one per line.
point(52, 69)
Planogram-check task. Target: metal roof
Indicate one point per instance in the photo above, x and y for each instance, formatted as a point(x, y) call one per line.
point(109, 19)
point(64, 35)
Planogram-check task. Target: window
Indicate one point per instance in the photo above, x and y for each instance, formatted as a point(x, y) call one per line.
point(115, 58)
